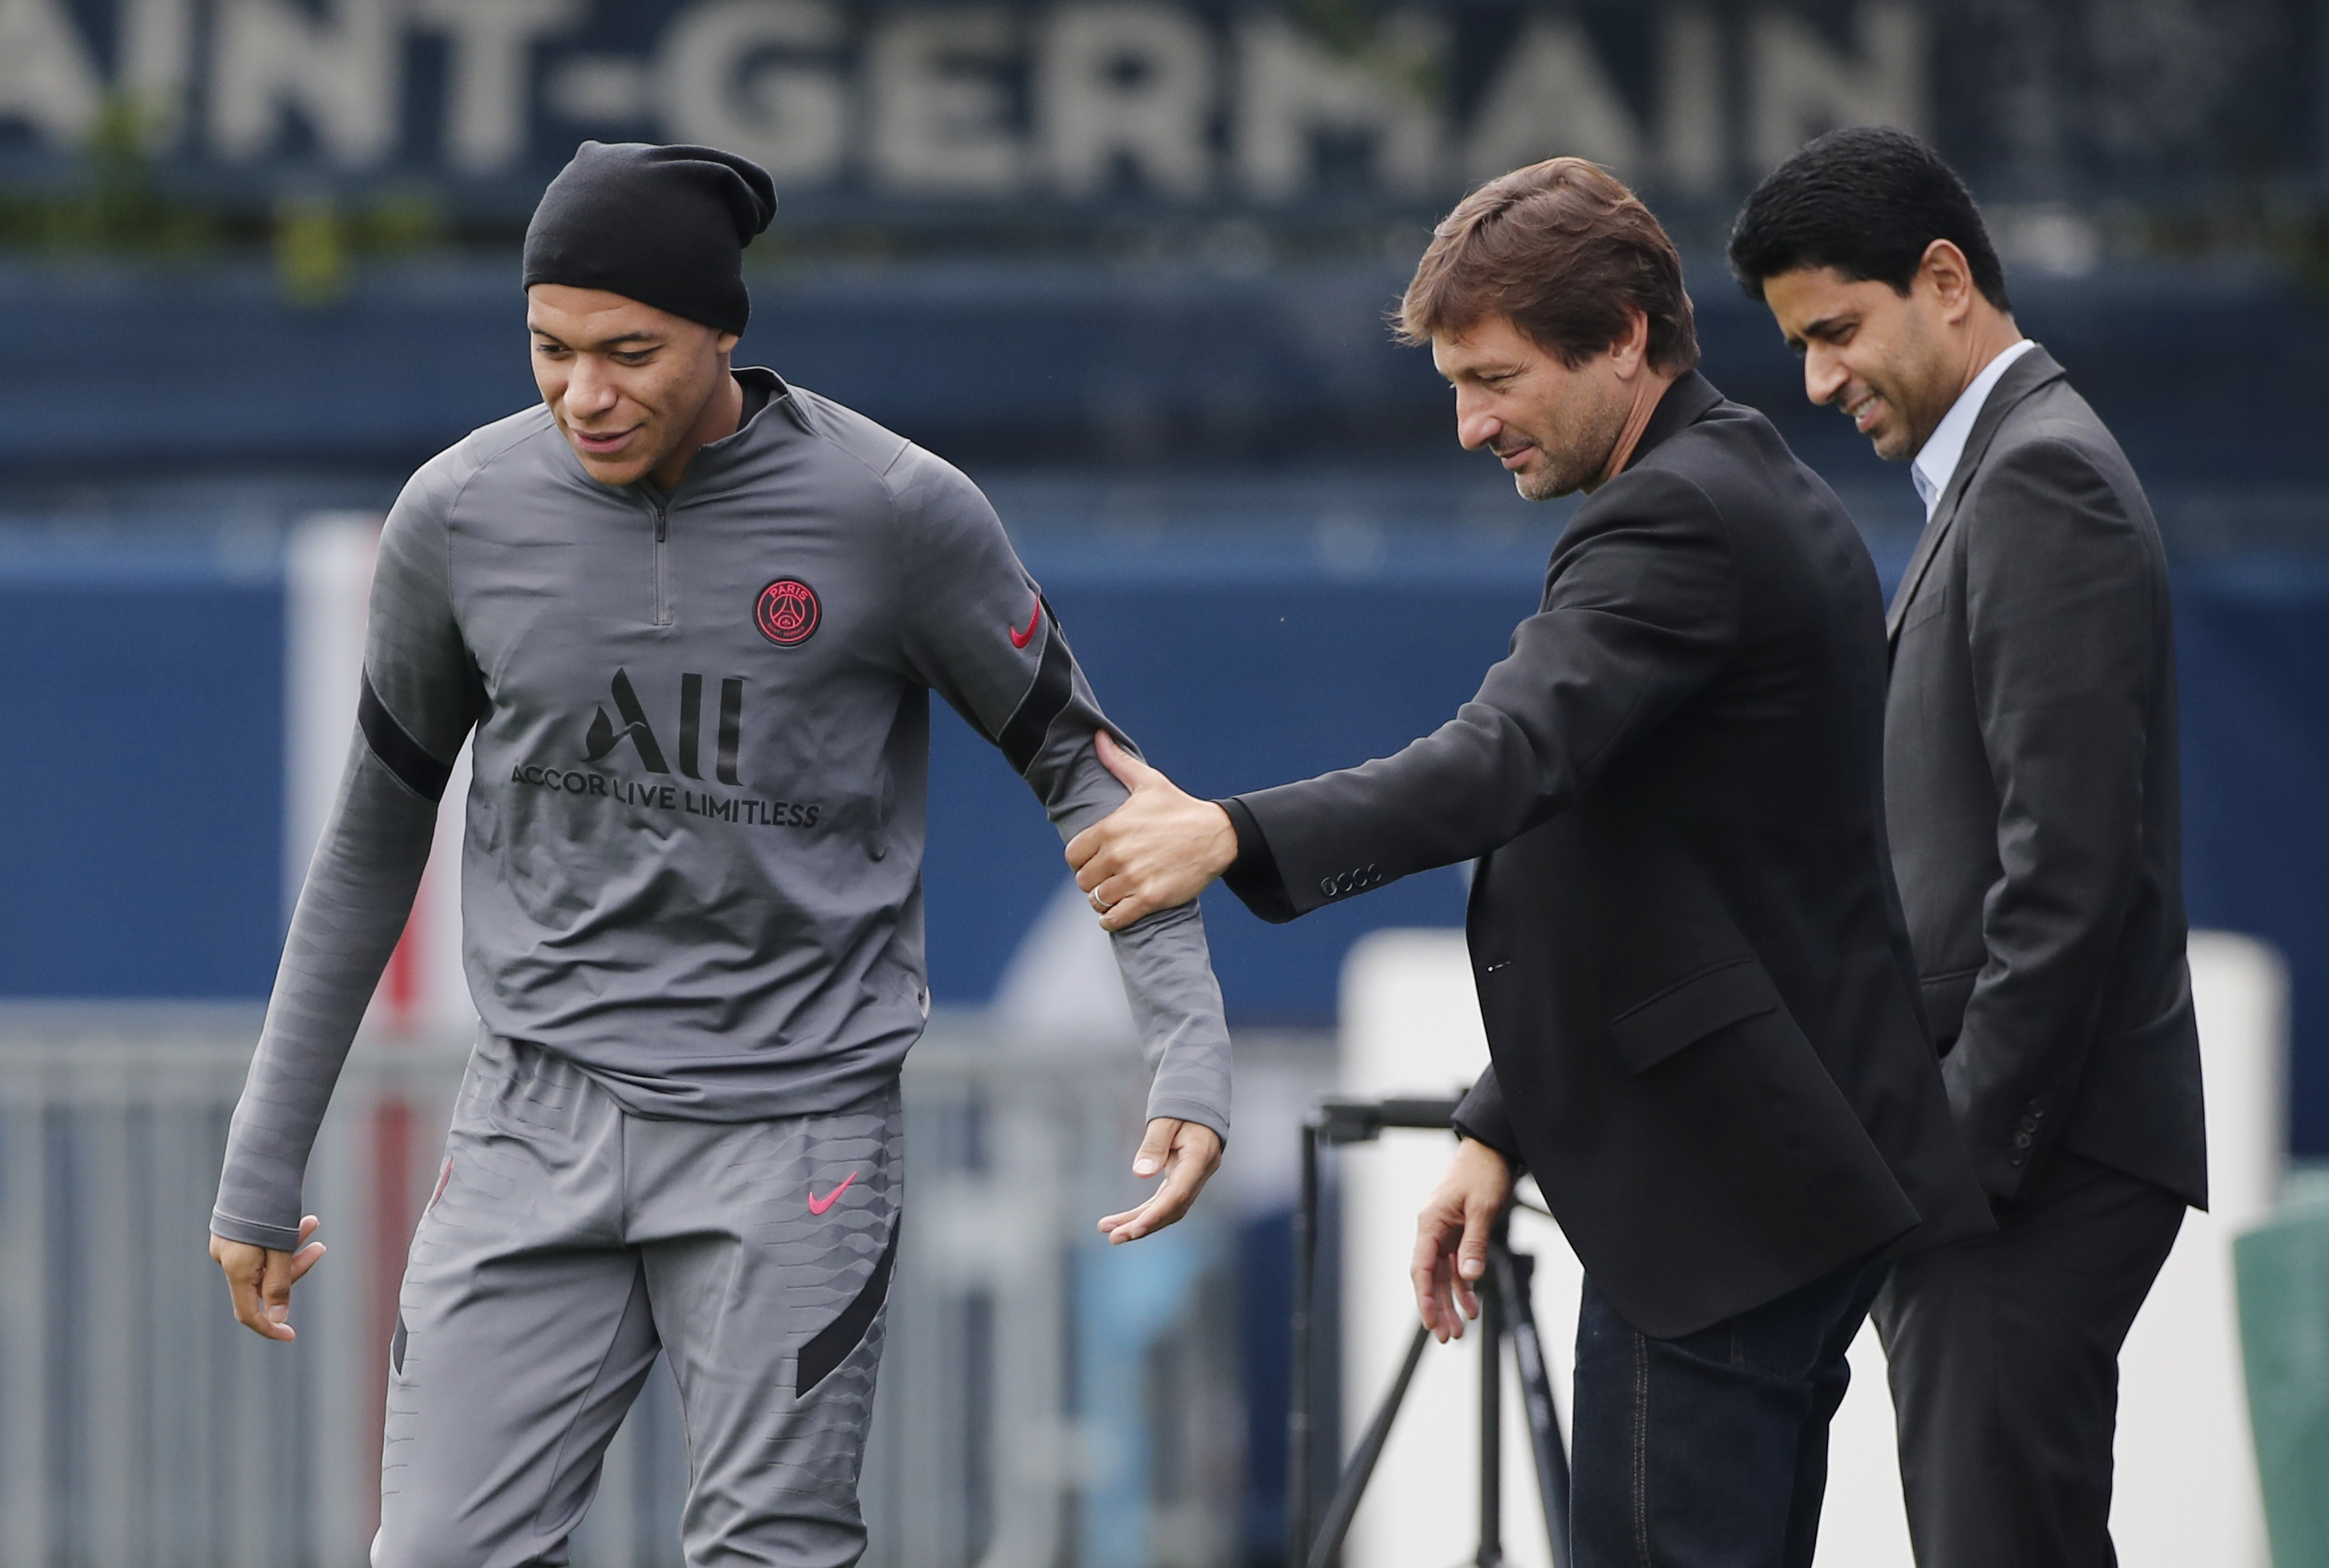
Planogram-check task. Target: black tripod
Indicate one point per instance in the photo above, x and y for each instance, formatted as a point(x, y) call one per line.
point(1505, 1312)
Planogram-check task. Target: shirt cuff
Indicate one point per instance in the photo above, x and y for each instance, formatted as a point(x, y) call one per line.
point(1197, 1110)
point(1254, 876)
point(253, 1233)
point(1483, 1116)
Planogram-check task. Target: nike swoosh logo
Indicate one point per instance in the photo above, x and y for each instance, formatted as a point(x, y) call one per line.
point(819, 1205)
point(1020, 639)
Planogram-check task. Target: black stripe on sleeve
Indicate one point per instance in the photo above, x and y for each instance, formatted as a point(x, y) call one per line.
point(834, 1341)
point(401, 755)
point(1054, 687)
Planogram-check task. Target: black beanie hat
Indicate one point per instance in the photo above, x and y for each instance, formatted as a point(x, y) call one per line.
point(665, 226)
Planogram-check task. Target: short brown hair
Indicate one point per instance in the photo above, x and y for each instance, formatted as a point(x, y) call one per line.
point(1565, 251)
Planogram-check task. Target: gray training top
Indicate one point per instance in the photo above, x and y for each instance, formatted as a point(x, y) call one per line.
point(692, 863)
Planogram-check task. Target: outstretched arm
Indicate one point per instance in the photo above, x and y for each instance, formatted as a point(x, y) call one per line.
point(1640, 610)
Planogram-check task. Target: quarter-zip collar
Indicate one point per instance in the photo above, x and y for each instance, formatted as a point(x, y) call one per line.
point(764, 392)
point(763, 389)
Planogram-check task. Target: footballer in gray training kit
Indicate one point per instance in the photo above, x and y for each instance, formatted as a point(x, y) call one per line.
point(692, 927)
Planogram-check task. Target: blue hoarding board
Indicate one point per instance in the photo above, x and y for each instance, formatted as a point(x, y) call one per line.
point(143, 707)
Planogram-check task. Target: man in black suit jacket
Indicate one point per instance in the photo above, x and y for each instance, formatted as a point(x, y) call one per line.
point(2031, 780)
point(1700, 997)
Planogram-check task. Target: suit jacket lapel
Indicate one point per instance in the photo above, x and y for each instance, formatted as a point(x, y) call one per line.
point(2025, 376)
point(1928, 543)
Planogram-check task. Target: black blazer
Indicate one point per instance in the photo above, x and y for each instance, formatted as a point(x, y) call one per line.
point(1701, 1003)
point(2031, 780)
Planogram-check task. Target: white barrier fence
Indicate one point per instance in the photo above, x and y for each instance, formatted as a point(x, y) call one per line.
point(141, 1427)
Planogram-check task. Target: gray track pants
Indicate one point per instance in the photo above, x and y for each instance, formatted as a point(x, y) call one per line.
point(568, 1242)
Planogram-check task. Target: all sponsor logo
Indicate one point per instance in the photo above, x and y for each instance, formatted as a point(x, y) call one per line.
point(605, 734)
point(629, 724)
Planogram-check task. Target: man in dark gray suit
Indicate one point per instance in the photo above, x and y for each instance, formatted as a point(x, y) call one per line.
point(2032, 794)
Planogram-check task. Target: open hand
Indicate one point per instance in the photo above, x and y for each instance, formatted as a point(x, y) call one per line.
point(1187, 1153)
point(1451, 1237)
point(260, 1280)
point(1157, 851)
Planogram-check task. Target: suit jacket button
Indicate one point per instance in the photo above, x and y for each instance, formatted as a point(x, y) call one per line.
point(2023, 1140)
point(2014, 1159)
point(1326, 886)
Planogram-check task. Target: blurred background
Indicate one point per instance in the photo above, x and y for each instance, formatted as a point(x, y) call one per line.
point(1128, 263)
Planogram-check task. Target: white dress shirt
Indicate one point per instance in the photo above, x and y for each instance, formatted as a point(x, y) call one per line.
point(1937, 464)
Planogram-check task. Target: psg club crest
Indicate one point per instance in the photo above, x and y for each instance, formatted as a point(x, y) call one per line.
point(788, 612)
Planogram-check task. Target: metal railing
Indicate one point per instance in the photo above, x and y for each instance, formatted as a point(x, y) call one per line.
point(141, 1427)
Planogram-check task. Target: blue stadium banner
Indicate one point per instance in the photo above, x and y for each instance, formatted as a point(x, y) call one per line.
point(1157, 103)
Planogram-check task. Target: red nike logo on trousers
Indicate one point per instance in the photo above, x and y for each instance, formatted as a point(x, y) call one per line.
point(819, 1205)
point(1020, 639)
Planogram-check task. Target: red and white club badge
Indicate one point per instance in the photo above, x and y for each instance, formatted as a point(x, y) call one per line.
point(788, 612)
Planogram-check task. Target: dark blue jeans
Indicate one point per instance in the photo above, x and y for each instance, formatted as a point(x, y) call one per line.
point(1710, 1451)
